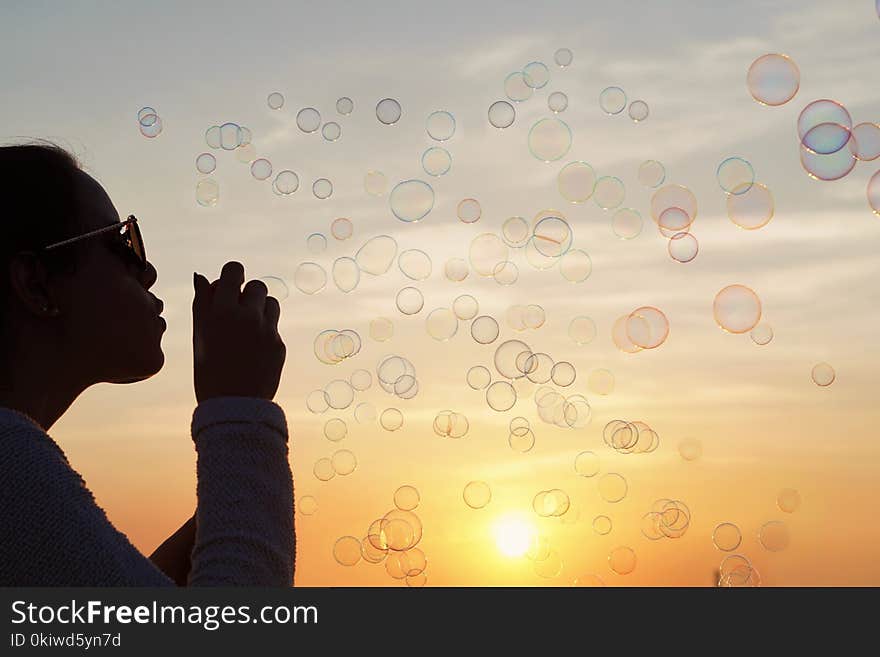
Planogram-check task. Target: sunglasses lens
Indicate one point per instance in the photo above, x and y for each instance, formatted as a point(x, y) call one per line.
point(136, 242)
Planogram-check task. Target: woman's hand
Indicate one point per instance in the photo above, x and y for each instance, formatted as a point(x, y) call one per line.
point(237, 351)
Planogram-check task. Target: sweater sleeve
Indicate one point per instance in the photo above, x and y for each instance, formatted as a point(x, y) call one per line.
point(245, 529)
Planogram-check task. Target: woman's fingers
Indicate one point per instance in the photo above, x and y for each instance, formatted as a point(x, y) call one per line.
point(272, 312)
point(229, 286)
point(254, 296)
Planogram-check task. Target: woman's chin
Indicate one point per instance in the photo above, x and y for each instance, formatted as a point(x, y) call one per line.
point(142, 373)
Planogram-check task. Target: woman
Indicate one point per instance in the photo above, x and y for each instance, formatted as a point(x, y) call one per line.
point(76, 310)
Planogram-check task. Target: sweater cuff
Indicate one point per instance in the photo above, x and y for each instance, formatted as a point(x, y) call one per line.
point(238, 410)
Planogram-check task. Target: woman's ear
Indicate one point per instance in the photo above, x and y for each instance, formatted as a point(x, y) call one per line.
point(29, 284)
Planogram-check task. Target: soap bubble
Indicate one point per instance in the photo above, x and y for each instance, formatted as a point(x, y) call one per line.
point(549, 139)
point(586, 464)
point(331, 131)
point(536, 75)
point(774, 536)
point(823, 374)
point(388, 111)
point(833, 166)
point(500, 396)
point(206, 163)
point(308, 120)
point(737, 309)
point(788, 500)
point(479, 377)
point(638, 111)
point(323, 469)
point(377, 255)
point(601, 381)
point(683, 247)
point(261, 169)
point(411, 200)
point(609, 192)
point(347, 550)
point(735, 175)
point(865, 144)
point(501, 114)
point(622, 560)
point(690, 449)
point(773, 79)
point(516, 232)
point(275, 100)
point(612, 100)
point(391, 419)
point(344, 462)
point(647, 327)
point(563, 57)
point(335, 429)
point(726, 536)
point(410, 301)
point(339, 394)
point(230, 136)
point(674, 197)
point(576, 181)
point(308, 505)
point(286, 182)
point(469, 210)
point(484, 329)
point(833, 121)
point(762, 334)
point(212, 136)
point(361, 380)
point(449, 424)
point(341, 228)
point(415, 264)
point(576, 266)
point(465, 307)
point(150, 126)
point(612, 487)
point(750, 208)
point(436, 161)
point(582, 330)
point(557, 102)
point(440, 125)
point(310, 278)
point(626, 223)
point(207, 192)
point(277, 287)
point(441, 324)
point(365, 413)
point(477, 494)
point(322, 188)
point(602, 525)
point(406, 498)
point(456, 269)
point(345, 105)
point(516, 88)
point(651, 173)
point(346, 274)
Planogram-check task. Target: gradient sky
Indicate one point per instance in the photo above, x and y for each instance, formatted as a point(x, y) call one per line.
point(79, 75)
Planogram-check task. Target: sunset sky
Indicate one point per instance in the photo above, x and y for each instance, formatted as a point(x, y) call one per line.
point(79, 74)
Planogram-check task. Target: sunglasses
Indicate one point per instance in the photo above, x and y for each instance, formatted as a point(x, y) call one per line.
point(128, 231)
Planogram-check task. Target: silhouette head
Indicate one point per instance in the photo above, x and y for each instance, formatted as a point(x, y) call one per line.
point(83, 310)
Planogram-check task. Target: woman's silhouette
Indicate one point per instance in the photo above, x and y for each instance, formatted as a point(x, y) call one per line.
point(76, 310)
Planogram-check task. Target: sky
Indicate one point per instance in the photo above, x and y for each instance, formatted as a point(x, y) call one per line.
point(79, 74)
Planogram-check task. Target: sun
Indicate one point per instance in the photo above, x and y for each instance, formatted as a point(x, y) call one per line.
point(513, 534)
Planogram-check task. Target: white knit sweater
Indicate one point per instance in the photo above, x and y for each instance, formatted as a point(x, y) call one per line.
point(52, 533)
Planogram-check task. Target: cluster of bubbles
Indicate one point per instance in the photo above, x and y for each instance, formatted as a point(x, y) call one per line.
point(830, 145)
point(645, 327)
point(331, 347)
point(612, 100)
point(391, 540)
point(630, 437)
point(449, 424)
point(374, 258)
point(397, 376)
point(343, 462)
point(669, 518)
point(149, 122)
point(520, 436)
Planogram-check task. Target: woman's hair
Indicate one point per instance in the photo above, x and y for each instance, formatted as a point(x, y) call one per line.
point(39, 206)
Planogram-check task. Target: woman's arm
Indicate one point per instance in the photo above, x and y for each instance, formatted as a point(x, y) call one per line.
point(174, 556)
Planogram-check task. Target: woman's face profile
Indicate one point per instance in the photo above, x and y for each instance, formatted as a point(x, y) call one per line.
point(110, 317)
